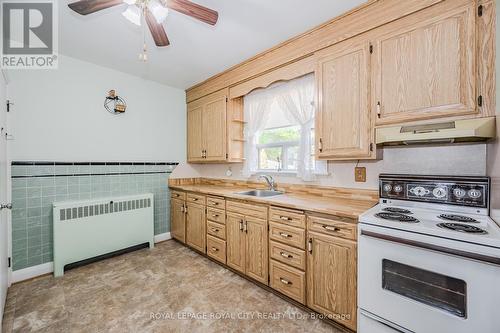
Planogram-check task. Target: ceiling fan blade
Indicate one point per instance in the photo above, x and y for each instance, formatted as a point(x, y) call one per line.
point(192, 9)
point(85, 7)
point(157, 30)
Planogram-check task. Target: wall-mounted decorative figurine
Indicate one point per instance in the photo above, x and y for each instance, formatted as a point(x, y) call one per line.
point(114, 104)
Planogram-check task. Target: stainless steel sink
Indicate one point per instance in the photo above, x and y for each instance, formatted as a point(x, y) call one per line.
point(261, 193)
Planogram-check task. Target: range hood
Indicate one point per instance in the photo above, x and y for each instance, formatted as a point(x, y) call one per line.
point(468, 130)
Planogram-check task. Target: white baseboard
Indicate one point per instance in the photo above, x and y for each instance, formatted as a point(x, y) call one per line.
point(31, 272)
point(162, 237)
point(34, 271)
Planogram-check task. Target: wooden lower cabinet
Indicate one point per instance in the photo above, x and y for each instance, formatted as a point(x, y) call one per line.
point(216, 249)
point(332, 277)
point(256, 249)
point(235, 238)
point(288, 280)
point(247, 249)
point(195, 227)
point(178, 218)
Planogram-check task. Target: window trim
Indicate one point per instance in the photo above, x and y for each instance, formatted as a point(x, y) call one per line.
point(284, 145)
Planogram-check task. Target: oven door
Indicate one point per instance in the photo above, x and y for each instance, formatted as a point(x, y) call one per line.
point(421, 283)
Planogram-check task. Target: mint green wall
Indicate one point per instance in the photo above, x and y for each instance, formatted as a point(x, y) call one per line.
point(36, 187)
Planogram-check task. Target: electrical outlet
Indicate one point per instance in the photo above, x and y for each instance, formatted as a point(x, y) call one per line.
point(360, 174)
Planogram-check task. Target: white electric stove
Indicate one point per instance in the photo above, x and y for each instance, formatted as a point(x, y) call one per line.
point(429, 257)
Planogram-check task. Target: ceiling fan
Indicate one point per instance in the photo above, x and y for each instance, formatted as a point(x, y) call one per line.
point(153, 11)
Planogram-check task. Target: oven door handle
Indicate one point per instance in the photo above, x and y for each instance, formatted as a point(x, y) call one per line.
point(384, 322)
point(432, 247)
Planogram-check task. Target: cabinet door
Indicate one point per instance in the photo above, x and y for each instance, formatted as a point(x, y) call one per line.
point(426, 69)
point(235, 238)
point(195, 227)
point(178, 218)
point(331, 277)
point(214, 129)
point(344, 126)
point(194, 132)
point(257, 259)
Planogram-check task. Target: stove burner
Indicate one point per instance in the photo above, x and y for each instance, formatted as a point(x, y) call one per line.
point(458, 218)
point(462, 228)
point(397, 210)
point(397, 217)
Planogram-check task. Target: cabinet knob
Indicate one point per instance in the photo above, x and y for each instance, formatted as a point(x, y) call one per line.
point(214, 249)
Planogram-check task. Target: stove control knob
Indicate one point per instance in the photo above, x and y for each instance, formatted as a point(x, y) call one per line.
point(419, 191)
point(475, 194)
point(439, 192)
point(459, 192)
point(398, 188)
point(387, 188)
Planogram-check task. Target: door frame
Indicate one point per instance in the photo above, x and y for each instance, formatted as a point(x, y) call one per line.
point(6, 79)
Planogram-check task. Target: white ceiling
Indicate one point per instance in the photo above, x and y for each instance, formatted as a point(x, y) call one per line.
point(197, 50)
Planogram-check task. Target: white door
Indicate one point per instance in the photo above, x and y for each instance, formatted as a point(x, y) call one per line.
point(4, 239)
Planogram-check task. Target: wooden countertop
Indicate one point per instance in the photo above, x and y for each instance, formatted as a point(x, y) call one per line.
point(351, 208)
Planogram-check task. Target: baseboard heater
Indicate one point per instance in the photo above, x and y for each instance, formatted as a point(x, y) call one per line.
point(87, 230)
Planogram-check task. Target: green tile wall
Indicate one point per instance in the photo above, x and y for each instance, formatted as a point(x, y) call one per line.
point(36, 186)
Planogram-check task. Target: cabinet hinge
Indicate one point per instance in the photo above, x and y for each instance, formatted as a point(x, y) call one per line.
point(480, 10)
point(480, 100)
point(8, 105)
point(227, 99)
point(9, 262)
point(371, 146)
point(227, 156)
point(371, 48)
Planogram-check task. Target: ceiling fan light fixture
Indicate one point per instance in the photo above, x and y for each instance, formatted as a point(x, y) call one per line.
point(133, 14)
point(159, 11)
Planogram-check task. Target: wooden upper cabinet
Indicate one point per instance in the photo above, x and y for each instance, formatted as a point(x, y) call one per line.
point(206, 128)
point(194, 133)
point(343, 120)
point(331, 277)
point(424, 67)
point(214, 129)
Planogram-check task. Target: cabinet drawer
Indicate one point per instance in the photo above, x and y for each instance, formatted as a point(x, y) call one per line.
point(288, 281)
point(216, 249)
point(247, 209)
point(216, 215)
point(216, 202)
point(178, 195)
point(288, 255)
point(195, 198)
point(289, 217)
point(288, 235)
point(216, 229)
point(333, 226)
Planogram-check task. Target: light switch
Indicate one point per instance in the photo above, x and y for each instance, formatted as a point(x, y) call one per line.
point(360, 174)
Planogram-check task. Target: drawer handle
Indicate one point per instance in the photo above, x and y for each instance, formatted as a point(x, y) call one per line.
point(214, 249)
point(241, 224)
point(215, 230)
point(329, 228)
point(285, 281)
point(213, 203)
point(285, 218)
point(194, 199)
point(286, 255)
point(215, 215)
point(282, 234)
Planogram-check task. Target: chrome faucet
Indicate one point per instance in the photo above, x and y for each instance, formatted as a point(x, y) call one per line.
point(270, 181)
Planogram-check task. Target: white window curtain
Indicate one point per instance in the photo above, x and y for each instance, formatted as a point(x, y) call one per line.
point(296, 99)
point(256, 110)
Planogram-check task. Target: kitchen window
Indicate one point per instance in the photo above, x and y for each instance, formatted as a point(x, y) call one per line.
point(280, 130)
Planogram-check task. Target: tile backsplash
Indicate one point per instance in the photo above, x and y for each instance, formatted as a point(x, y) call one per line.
point(36, 185)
